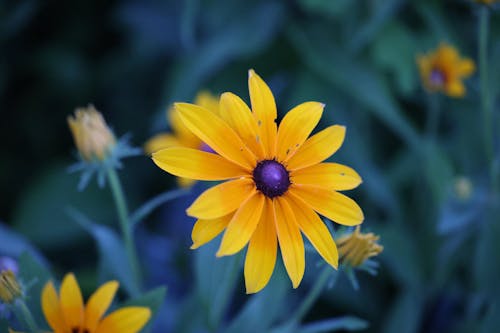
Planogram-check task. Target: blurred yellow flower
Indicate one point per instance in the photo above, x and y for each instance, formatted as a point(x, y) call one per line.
point(67, 313)
point(93, 138)
point(277, 184)
point(181, 136)
point(9, 287)
point(443, 70)
point(357, 247)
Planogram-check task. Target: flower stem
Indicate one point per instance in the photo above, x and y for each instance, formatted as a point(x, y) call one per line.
point(433, 116)
point(26, 316)
point(313, 294)
point(484, 23)
point(123, 217)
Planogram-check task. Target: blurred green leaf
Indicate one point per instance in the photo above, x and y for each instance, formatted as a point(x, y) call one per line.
point(359, 82)
point(40, 216)
point(14, 244)
point(152, 299)
point(327, 8)
point(485, 264)
point(406, 313)
point(113, 261)
point(347, 323)
point(215, 281)
point(395, 51)
point(266, 305)
point(34, 275)
point(150, 205)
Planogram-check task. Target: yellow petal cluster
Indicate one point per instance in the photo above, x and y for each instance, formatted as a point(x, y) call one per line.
point(357, 247)
point(181, 136)
point(258, 209)
point(66, 313)
point(93, 138)
point(443, 70)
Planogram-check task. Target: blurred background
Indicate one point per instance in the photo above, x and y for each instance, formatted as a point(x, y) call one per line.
point(428, 195)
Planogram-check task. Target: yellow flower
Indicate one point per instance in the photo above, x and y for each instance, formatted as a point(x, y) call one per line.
point(9, 287)
point(66, 313)
point(93, 138)
point(276, 181)
point(443, 70)
point(357, 247)
point(181, 136)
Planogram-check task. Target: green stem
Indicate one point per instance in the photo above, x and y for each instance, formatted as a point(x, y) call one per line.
point(313, 294)
point(123, 217)
point(487, 110)
point(27, 317)
point(433, 116)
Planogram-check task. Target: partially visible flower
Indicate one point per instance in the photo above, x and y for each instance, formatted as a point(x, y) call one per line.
point(443, 70)
point(10, 289)
point(277, 181)
point(357, 247)
point(67, 313)
point(92, 136)
point(181, 136)
point(97, 145)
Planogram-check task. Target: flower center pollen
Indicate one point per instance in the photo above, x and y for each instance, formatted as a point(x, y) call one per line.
point(271, 178)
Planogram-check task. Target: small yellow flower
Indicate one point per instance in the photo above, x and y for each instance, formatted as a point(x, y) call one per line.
point(357, 247)
point(10, 289)
point(443, 70)
point(181, 136)
point(276, 182)
point(93, 138)
point(66, 313)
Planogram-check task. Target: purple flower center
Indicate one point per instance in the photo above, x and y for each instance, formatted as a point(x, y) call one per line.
point(206, 148)
point(271, 178)
point(437, 77)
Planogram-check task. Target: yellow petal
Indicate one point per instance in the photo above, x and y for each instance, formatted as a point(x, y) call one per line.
point(181, 132)
point(290, 239)
point(98, 303)
point(71, 302)
point(242, 225)
point(332, 176)
point(455, 88)
point(331, 204)
point(261, 253)
point(126, 320)
point(237, 114)
point(52, 309)
point(216, 133)
point(295, 128)
point(206, 230)
point(208, 101)
point(318, 147)
point(161, 141)
point(221, 199)
point(466, 67)
point(315, 230)
point(264, 111)
point(196, 164)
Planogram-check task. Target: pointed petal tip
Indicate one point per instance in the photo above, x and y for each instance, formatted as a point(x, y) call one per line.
point(251, 72)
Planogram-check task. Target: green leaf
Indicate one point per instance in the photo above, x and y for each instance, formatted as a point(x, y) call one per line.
point(348, 75)
point(14, 244)
point(148, 207)
point(215, 281)
point(34, 275)
point(347, 323)
point(266, 305)
point(406, 313)
point(40, 215)
point(113, 261)
point(152, 299)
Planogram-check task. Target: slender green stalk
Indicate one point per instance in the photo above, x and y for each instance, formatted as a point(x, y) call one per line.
point(433, 116)
point(26, 316)
point(313, 294)
point(486, 106)
point(123, 217)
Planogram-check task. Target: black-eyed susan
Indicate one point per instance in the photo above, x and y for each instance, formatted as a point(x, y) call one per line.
point(277, 181)
point(66, 313)
point(443, 70)
point(181, 136)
